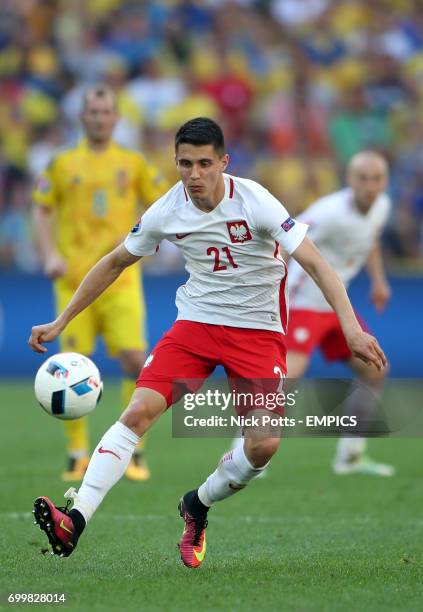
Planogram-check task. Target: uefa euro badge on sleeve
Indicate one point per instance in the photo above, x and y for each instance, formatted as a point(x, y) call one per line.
point(288, 224)
point(137, 227)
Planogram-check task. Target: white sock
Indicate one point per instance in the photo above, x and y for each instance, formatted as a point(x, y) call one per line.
point(232, 474)
point(108, 464)
point(349, 449)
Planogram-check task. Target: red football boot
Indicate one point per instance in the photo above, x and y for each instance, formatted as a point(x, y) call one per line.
point(57, 524)
point(192, 545)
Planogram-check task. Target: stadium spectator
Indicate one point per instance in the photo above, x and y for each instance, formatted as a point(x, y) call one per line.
point(354, 126)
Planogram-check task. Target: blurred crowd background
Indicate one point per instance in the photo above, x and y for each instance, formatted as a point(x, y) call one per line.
point(298, 85)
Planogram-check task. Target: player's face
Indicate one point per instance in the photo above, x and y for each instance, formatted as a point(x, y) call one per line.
point(98, 118)
point(200, 169)
point(367, 182)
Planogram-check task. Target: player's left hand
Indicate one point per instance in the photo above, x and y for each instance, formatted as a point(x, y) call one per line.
point(380, 294)
point(366, 347)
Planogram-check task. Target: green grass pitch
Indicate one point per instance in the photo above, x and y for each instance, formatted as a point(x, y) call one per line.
point(301, 539)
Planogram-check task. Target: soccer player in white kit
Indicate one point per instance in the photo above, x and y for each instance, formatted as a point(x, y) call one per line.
point(231, 312)
point(345, 226)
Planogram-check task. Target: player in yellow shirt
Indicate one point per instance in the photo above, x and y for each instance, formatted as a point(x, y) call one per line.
point(85, 201)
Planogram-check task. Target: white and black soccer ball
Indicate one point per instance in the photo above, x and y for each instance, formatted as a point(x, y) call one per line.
point(68, 385)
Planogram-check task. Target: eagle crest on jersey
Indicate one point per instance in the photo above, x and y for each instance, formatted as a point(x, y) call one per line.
point(238, 231)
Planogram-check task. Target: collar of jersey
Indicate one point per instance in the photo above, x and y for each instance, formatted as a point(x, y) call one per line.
point(226, 181)
point(83, 145)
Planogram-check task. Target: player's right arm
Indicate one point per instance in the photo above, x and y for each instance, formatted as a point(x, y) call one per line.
point(46, 198)
point(143, 239)
point(101, 276)
point(44, 225)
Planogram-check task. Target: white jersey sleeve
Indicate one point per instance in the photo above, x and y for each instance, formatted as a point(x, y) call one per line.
point(147, 234)
point(273, 218)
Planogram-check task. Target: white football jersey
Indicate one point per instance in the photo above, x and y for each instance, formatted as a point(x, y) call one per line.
point(236, 276)
point(345, 237)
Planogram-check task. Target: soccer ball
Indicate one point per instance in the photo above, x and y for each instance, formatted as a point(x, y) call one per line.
point(68, 385)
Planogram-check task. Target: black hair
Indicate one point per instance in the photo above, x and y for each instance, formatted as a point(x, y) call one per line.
point(201, 131)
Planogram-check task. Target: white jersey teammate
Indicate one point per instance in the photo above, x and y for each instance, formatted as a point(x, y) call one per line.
point(346, 226)
point(232, 313)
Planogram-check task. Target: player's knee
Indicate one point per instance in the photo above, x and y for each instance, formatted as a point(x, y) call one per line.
point(132, 362)
point(260, 451)
point(374, 377)
point(142, 411)
point(134, 416)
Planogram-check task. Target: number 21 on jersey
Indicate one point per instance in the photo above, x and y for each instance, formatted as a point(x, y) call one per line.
point(219, 259)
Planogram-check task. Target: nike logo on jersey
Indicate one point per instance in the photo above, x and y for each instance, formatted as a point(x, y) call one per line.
point(62, 526)
point(105, 450)
point(180, 236)
point(200, 554)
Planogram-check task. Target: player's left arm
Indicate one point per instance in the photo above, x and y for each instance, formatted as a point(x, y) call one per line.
point(380, 291)
point(291, 234)
point(362, 344)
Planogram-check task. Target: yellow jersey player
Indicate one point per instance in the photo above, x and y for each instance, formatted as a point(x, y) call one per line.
point(84, 202)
